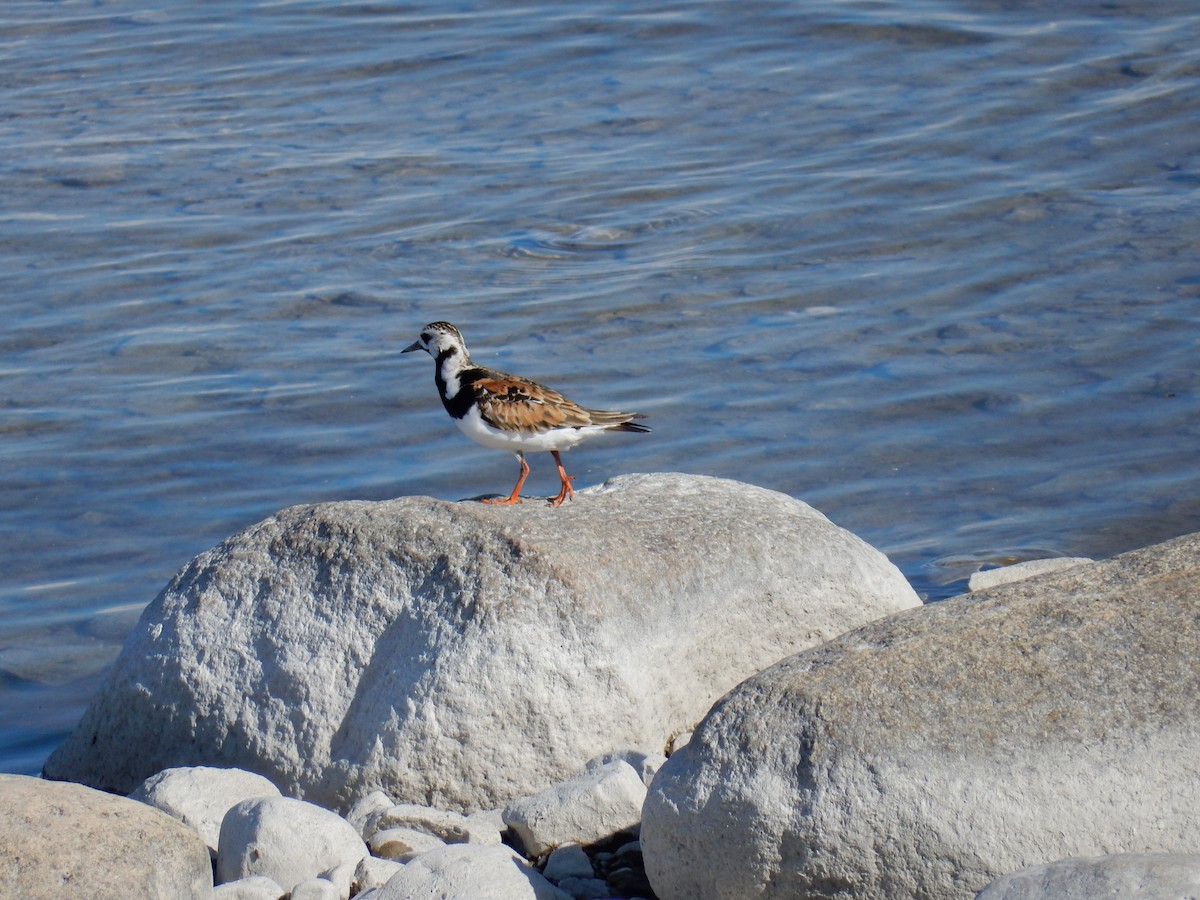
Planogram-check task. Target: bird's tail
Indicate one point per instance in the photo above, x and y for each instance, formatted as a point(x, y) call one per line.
point(617, 421)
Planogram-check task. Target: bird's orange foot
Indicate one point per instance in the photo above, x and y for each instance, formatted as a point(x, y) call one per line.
point(566, 492)
point(502, 501)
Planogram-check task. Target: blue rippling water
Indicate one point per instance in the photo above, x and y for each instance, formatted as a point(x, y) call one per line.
point(929, 266)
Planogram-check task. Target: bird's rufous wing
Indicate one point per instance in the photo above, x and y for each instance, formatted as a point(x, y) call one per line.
point(517, 404)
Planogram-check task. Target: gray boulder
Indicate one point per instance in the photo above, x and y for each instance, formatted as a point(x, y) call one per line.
point(67, 840)
point(930, 752)
point(1125, 876)
point(459, 655)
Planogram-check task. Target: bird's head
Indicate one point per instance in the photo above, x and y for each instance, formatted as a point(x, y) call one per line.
point(437, 338)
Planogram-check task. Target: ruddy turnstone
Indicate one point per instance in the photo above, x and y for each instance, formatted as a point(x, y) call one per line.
point(508, 412)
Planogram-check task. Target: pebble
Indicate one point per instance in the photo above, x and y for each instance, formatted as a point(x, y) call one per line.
point(256, 887)
point(316, 889)
point(373, 872)
point(568, 861)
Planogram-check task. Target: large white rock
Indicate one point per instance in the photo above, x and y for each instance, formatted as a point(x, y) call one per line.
point(67, 840)
point(1153, 876)
point(199, 796)
point(289, 841)
point(926, 754)
point(598, 802)
point(469, 872)
point(459, 655)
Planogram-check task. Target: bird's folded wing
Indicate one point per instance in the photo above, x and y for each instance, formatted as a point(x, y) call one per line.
point(515, 404)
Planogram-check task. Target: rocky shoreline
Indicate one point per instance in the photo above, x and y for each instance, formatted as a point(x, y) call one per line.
point(417, 698)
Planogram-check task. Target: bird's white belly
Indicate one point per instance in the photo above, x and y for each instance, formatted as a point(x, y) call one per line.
point(474, 427)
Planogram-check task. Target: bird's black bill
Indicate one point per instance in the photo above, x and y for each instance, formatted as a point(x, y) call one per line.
point(415, 345)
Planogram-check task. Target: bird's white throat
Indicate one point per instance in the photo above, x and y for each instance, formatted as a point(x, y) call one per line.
point(449, 370)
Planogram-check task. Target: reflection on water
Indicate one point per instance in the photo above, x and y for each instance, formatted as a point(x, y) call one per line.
point(929, 267)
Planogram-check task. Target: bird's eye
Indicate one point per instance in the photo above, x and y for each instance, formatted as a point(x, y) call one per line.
point(425, 336)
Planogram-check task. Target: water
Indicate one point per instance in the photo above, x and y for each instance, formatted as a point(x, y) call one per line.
point(929, 266)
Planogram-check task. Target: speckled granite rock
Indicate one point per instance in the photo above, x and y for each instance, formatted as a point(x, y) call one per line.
point(930, 752)
point(459, 655)
point(67, 840)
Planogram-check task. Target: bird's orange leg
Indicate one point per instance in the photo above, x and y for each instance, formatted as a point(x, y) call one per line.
point(515, 496)
point(566, 490)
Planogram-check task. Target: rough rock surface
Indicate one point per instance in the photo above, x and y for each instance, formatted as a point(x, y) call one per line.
point(460, 654)
point(928, 753)
point(67, 840)
point(290, 841)
point(1125, 876)
point(199, 796)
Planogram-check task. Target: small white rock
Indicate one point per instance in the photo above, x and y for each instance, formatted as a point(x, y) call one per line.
point(595, 804)
point(366, 807)
point(646, 764)
point(1019, 571)
point(256, 887)
point(402, 844)
point(199, 796)
point(568, 861)
point(629, 849)
point(678, 741)
point(486, 826)
point(342, 877)
point(317, 889)
point(373, 872)
point(288, 840)
point(449, 827)
point(469, 872)
point(650, 766)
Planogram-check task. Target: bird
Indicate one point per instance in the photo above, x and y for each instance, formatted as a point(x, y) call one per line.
point(511, 413)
